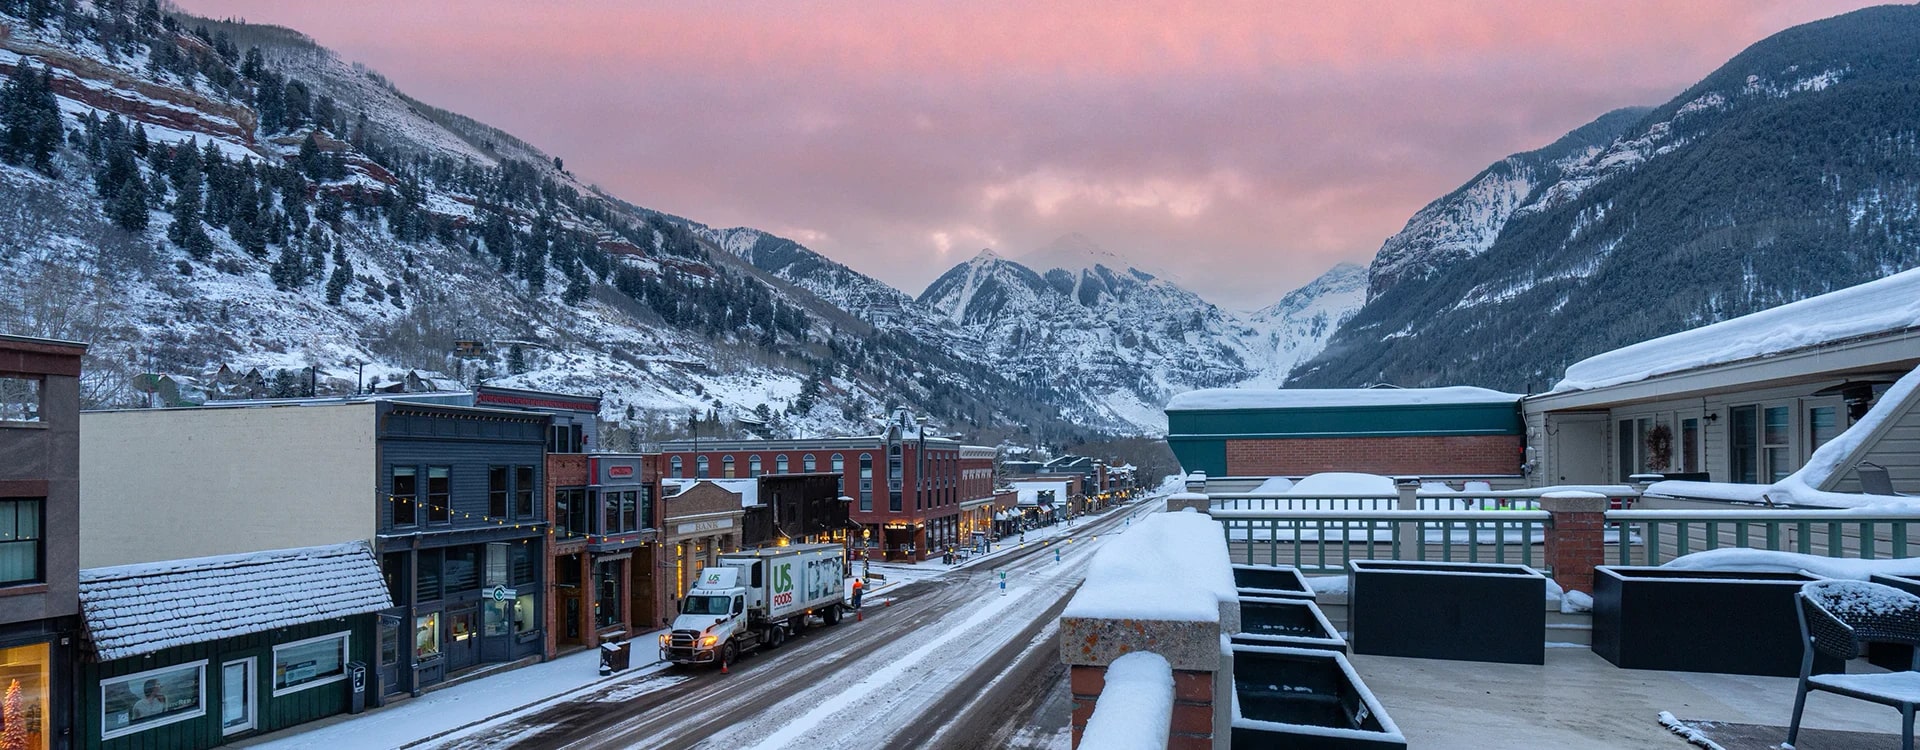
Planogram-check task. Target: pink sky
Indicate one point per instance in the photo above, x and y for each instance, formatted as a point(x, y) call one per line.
point(1245, 146)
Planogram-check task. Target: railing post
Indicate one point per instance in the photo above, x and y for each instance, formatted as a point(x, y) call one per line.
point(1199, 502)
point(1197, 482)
point(1576, 537)
point(1409, 533)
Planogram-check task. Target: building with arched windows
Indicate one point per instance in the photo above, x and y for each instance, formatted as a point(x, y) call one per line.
point(912, 493)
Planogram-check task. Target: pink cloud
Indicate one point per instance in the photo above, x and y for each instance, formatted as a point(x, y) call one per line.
point(1251, 144)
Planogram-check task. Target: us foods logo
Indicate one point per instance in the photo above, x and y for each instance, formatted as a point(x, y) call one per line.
point(782, 585)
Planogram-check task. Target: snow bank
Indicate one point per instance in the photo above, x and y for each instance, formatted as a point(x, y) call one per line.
point(1215, 399)
point(1274, 484)
point(1169, 566)
point(1135, 710)
point(1886, 304)
point(1344, 483)
point(1769, 561)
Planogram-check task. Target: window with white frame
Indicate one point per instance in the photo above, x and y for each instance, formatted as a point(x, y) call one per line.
point(19, 399)
point(309, 663)
point(156, 697)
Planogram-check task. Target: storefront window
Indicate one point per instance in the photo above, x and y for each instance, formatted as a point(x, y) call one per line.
point(304, 664)
point(426, 636)
point(23, 677)
point(152, 698)
point(497, 617)
point(462, 568)
point(525, 617)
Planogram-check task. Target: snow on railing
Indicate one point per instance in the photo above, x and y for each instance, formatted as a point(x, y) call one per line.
point(1652, 537)
point(1425, 499)
point(1135, 709)
point(1323, 541)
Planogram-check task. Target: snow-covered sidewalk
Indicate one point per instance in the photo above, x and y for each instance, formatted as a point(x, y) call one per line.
point(464, 707)
point(897, 573)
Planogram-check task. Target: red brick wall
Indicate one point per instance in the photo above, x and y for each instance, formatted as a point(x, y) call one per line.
point(1437, 454)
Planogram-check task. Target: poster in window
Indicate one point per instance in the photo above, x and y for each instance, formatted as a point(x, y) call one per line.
point(160, 696)
point(312, 661)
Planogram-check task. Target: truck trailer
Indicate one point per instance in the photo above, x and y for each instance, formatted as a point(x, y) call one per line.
point(756, 598)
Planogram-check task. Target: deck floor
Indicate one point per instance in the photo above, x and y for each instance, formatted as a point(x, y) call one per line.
point(1579, 700)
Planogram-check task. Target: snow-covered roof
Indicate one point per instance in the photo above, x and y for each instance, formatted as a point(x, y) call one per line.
point(1880, 306)
point(1218, 399)
point(1028, 493)
point(747, 489)
point(143, 608)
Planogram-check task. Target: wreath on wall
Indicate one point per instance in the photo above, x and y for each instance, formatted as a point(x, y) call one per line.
point(1659, 442)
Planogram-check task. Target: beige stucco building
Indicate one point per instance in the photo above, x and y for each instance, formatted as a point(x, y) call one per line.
point(289, 476)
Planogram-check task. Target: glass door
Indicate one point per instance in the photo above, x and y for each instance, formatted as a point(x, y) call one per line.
point(236, 697)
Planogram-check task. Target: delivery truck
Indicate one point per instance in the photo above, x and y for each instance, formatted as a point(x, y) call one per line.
point(756, 598)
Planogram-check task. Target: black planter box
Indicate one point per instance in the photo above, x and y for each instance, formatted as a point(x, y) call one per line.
point(1305, 699)
point(1728, 622)
point(1292, 623)
point(1460, 611)
point(1271, 580)
point(1893, 657)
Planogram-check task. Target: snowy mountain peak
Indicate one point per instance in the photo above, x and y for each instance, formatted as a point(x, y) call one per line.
point(1075, 252)
point(986, 255)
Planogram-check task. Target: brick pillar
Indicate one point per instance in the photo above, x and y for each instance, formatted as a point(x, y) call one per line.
point(1193, 705)
point(1180, 501)
point(1191, 648)
point(1575, 537)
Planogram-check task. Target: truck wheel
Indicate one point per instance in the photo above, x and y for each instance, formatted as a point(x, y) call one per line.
point(831, 616)
point(776, 637)
point(727, 653)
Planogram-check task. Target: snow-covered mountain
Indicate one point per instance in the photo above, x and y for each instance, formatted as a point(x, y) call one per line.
point(1298, 327)
point(1081, 317)
point(1788, 172)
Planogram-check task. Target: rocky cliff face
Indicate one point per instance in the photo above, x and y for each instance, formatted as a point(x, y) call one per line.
point(1788, 172)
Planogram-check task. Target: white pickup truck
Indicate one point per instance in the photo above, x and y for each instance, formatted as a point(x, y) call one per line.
point(756, 598)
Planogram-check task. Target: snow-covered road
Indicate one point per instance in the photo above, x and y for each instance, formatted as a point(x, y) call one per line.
point(949, 662)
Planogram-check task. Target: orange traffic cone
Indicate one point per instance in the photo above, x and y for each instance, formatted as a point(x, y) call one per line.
point(723, 668)
point(859, 616)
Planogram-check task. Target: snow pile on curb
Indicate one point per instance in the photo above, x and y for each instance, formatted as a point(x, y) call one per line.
point(1135, 709)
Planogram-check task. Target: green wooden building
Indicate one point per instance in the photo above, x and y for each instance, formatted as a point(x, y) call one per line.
point(198, 653)
point(1456, 431)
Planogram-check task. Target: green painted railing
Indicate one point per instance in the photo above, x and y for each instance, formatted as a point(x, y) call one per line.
point(1653, 537)
point(1323, 541)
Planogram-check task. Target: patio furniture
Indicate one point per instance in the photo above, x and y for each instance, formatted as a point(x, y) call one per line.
point(1727, 622)
point(1893, 657)
point(1837, 619)
point(1461, 611)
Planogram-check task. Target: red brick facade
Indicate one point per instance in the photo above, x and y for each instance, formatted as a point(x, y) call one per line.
point(1421, 455)
point(1192, 720)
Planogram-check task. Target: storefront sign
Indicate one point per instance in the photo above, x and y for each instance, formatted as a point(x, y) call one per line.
point(696, 527)
point(619, 471)
point(502, 593)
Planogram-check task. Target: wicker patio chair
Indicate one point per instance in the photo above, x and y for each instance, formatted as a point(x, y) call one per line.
point(1838, 619)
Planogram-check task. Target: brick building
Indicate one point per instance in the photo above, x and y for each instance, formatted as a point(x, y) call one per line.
point(40, 529)
point(908, 487)
point(1413, 431)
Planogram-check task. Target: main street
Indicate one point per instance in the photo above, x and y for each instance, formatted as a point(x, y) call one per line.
point(945, 662)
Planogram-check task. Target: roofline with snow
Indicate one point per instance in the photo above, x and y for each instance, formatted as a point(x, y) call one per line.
point(1885, 351)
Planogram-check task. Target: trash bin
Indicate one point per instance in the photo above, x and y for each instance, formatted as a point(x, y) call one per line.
point(614, 657)
point(357, 684)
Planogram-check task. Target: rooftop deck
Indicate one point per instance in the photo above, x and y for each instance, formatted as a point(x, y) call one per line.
point(1578, 700)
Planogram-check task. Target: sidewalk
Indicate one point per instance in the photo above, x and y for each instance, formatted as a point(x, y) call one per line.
point(447, 712)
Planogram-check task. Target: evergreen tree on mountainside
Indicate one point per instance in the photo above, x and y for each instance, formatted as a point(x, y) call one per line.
point(30, 129)
point(128, 207)
point(1790, 171)
point(342, 276)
